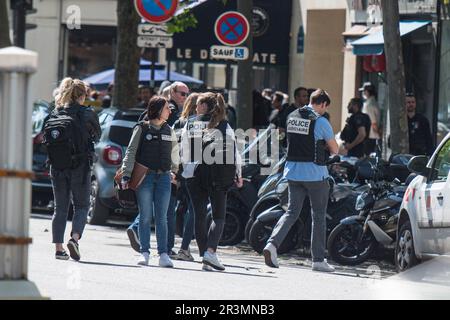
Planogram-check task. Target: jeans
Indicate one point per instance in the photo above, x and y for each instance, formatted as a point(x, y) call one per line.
point(153, 196)
point(318, 192)
point(200, 195)
point(69, 184)
point(171, 222)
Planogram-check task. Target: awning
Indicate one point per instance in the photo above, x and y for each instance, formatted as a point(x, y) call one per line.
point(373, 44)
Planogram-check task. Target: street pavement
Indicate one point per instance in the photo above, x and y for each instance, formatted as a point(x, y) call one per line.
point(108, 270)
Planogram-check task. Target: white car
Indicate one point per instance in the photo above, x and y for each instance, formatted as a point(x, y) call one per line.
point(424, 221)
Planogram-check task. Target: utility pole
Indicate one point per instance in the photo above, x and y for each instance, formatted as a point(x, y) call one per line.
point(245, 73)
point(126, 77)
point(395, 77)
point(5, 40)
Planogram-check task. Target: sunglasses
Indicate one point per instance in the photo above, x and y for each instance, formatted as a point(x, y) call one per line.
point(183, 94)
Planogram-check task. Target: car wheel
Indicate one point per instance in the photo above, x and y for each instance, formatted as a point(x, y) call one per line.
point(405, 256)
point(98, 214)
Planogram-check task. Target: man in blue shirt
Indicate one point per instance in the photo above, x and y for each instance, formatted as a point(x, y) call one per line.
point(309, 134)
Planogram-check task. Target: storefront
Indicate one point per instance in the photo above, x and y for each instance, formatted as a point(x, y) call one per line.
point(190, 54)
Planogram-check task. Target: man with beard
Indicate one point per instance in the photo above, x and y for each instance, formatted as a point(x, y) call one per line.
point(357, 129)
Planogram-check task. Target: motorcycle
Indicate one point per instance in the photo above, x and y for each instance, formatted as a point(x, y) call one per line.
point(340, 204)
point(355, 238)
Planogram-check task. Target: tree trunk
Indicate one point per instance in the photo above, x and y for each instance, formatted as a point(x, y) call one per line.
point(5, 41)
point(244, 106)
point(395, 77)
point(126, 79)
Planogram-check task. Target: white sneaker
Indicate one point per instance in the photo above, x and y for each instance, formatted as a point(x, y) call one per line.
point(143, 260)
point(322, 266)
point(270, 255)
point(205, 267)
point(164, 261)
point(212, 260)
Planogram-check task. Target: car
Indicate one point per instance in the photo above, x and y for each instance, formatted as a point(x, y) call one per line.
point(42, 193)
point(117, 128)
point(424, 218)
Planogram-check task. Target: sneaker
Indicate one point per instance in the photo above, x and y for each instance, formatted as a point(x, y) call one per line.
point(184, 255)
point(205, 267)
point(172, 254)
point(270, 255)
point(212, 260)
point(61, 255)
point(134, 240)
point(143, 260)
point(74, 249)
point(164, 261)
point(322, 266)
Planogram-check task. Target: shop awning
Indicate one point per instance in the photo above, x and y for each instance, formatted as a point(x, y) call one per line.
point(373, 44)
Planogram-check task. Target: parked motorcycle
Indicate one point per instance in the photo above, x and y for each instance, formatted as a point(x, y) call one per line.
point(340, 204)
point(355, 238)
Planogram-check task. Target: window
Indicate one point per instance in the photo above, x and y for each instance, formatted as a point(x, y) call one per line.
point(442, 163)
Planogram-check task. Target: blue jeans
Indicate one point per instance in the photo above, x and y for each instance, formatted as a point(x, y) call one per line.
point(171, 222)
point(153, 195)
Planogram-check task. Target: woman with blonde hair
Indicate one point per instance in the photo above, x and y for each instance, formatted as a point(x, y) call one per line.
point(69, 133)
point(211, 165)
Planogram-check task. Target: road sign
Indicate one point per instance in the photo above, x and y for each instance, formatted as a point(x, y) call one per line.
point(156, 11)
point(232, 28)
point(147, 29)
point(229, 53)
point(154, 42)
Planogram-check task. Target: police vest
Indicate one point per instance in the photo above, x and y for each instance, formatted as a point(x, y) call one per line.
point(155, 150)
point(300, 134)
point(220, 169)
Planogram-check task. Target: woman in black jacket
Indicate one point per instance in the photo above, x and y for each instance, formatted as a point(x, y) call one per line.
point(211, 166)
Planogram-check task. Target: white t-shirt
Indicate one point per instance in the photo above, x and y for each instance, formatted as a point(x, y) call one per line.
point(373, 111)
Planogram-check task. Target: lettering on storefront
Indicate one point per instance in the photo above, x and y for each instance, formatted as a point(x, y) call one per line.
point(204, 54)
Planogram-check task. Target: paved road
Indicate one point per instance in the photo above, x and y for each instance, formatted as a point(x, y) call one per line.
point(108, 270)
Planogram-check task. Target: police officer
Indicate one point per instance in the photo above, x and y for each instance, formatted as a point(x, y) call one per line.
point(310, 141)
point(420, 140)
point(357, 129)
point(211, 165)
point(153, 145)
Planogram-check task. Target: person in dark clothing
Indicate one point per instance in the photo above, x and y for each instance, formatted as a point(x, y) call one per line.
point(71, 181)
point(209, 180)
point(356, 130)
point(420, 139)
point(145, 94)
point(261, 110)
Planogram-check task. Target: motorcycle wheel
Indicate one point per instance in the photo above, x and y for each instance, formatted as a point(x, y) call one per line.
point(261, 208)
point(345, 249)
point(233, 231)
point(260, 232)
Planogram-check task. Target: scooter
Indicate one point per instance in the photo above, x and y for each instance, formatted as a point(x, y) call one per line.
point(355, 238)
point(340, 204)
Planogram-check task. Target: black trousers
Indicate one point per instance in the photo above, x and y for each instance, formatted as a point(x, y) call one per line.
point(202, 193)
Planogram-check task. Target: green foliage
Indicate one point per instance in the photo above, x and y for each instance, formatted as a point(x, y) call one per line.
point(181, 22)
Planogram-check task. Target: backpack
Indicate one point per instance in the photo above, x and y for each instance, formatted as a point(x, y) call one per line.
point(64, 141)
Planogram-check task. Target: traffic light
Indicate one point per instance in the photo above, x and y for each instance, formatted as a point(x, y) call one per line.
point(21, 8)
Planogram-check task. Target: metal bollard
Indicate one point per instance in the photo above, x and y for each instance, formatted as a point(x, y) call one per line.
point(16, 66)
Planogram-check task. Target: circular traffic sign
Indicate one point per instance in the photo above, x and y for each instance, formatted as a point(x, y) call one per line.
point(232, 28)
point(156, 11)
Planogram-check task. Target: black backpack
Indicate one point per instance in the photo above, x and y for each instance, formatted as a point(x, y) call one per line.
point(64, 139)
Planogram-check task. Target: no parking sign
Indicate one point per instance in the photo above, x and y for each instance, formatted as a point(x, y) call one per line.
point(232, 28)
point(156, 11)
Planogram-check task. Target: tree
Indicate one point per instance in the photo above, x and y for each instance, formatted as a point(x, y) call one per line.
point(5, 41)
point(395, 77)
point(126, 77)
point(245, 74)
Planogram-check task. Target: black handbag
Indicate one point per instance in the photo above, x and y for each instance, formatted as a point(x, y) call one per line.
point(126, 197)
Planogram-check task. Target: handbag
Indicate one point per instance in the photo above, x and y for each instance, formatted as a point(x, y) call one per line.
point(125, 197)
